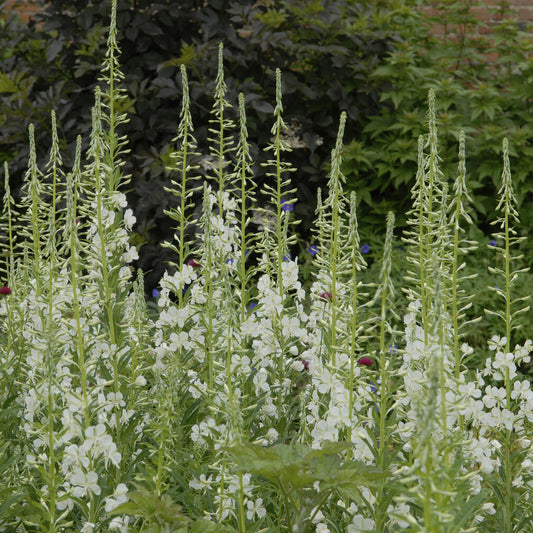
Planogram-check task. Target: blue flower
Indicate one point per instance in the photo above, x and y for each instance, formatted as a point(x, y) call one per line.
point(365, 249)
point(313, 249)
point(285, 206)
point(155, 293)
point(287, 257)
point(493, 243)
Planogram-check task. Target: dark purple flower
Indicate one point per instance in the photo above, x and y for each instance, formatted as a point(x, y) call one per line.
point(365, 249)
point(5, 290)
point(366, 361)
point(305, 363)
point(313, 249)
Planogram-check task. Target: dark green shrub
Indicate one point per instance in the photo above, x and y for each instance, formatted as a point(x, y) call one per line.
point(326, 50)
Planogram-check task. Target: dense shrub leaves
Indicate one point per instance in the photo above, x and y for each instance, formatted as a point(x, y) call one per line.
point(326, 50)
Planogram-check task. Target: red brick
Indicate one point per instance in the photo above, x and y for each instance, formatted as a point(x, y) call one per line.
point(525, 14)
point(25, 9)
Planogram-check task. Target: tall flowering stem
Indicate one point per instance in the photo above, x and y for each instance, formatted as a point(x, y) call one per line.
point(247, 195)
point(384, 296)
point(336, 203)
point(184, 187)
point(508, 217)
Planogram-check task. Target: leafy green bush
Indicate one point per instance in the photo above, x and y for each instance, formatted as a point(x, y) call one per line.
point(482, 81)
point(327, 51)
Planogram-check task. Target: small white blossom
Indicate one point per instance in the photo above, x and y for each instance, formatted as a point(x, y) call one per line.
point(84, 482)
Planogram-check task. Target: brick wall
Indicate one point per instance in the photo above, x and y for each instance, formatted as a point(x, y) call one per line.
point(23, 7)
point(490, 13)
point(523, 10)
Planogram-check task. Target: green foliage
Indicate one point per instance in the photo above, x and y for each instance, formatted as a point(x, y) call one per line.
point(160, 513)
point(327, 51)
point(295, 469)
point(481, 80)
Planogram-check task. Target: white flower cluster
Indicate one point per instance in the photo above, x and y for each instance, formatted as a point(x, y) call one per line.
point(483, 406)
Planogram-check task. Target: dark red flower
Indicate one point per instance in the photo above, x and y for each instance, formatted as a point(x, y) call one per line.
point(193, 263)
point(4, 291)
point(366, 361)
point(326, 296)
point(305, 363)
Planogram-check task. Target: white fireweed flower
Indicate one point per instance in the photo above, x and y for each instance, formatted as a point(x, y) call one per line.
point(179, 340)
point(84, 482)
point(338, 415)
point(119, 496)
point(527, 464)
point(140, 381)
point(129, 219)
point(289, 274)
point(469, 390)
point(63, 499)
point(522, 352)
point(88, 527)
point(93, 438)
point(398, 514)
point(322, 528)
point(201, 483)
point(272, 303)
point(130, 254)
point(522, 390)
point(502, 362)
point(318, 516)
point(178, 280)
point(291, 327)
point(496, 342)
point(74, 456)
point(297, 365)
point(124, 275)
point(263, 284)
point(110, 453)
point(114, 400)
point(71, 426)
point(119, 199)
point(494, 396)
point(488, 508)
point(323, 431)
point(226, 504)
point(119, 523)
point(518, 482)
point(360, 524)
point(234, 484)
point(272, 435)
point(260, 381)
point(108, 217)
point(255, 508)
point(269, 408)
point(173, 316)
